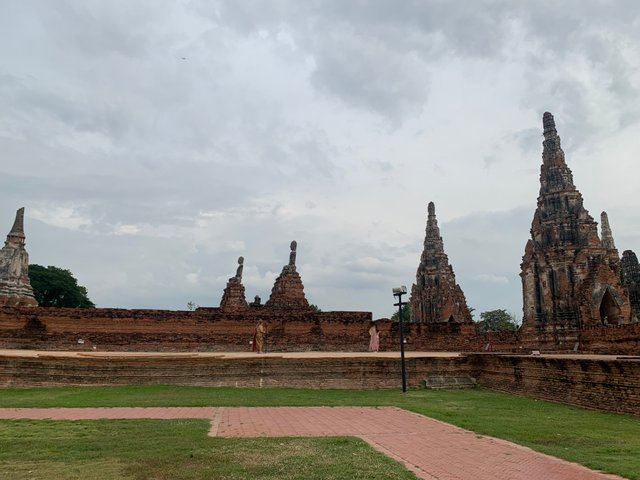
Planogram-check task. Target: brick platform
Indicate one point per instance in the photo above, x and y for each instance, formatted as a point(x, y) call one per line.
point(429, 448)
point(603, 382)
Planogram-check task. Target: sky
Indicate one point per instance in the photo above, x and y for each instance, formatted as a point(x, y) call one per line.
point(154, 142)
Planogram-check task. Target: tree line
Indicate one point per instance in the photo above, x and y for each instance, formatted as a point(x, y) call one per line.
point(57, 287)
point(491, 321)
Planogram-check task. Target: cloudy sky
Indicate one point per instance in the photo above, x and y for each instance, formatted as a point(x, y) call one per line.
point(153, 142)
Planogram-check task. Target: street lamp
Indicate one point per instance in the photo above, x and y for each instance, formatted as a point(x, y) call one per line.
point(398, 292)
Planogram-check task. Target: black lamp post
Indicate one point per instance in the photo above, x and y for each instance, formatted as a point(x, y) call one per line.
point(398, 292)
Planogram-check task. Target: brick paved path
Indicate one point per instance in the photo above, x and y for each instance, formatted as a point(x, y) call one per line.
point(431, 449)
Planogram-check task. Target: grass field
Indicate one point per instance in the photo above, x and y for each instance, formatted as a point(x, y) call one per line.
point(177, 449)
point(602, 441)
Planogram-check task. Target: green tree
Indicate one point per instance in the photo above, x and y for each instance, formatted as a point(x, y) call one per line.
point(406, 313)
point(497, 321)
point(314, 307)
point(57, 287)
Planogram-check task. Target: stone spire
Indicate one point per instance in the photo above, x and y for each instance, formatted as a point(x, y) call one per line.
point(559, 202)
point(606, 237)
point(233, 298)
point(16, 235)
point(15, 287)
point(630, 275)
point(569, 277)
point(288, 290)
point(436, 297)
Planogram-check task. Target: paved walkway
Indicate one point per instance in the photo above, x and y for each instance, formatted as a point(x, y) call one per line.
point(431, 449)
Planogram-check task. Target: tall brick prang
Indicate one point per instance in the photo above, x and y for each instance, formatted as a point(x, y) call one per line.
point(15, 287)
point(570, 278)
point(630, 275)
point(288, 290)
point(436, 297)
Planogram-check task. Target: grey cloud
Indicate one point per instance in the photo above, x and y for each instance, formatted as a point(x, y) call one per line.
point(501, 238)
point(489, 160)
point(98, 28)
point(375, 55)
point(528, 140)
point(370, 76)
point(378, 55)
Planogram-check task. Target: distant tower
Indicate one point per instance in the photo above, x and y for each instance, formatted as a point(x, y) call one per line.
point(570, 277)
point(436, 297)
point(233, 298)
point(15, 288)
point(288, 290)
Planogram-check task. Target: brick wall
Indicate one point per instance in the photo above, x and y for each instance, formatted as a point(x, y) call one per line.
point(599, 383)
point(210, 329)
point(258, 371)
point(623, 339)
point(160, 330)
point(604, 383)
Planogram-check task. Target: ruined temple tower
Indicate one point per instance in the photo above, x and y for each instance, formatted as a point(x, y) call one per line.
point(436, 297)
point(233, 298)
point(570, 277)
point(288, 290)
point(15, 288)
point(630, 275)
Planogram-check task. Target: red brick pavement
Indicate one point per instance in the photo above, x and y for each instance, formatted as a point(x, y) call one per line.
point(431, 449)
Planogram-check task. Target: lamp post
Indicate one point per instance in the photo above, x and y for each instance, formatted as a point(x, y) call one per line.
point(398, 292)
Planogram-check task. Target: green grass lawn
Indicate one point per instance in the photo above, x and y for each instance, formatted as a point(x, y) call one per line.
point(178, 449)
point(599, 440)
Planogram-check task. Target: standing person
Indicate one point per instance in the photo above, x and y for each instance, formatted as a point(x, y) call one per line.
point(374, 343)
point(259, 337)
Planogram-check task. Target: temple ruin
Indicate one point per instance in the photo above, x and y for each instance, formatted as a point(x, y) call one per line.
point(570, 276)
point(578, 297)
point(233, 297)
point(288, 290)
point(15, 288)
point(436, 297)
point(630, 275)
